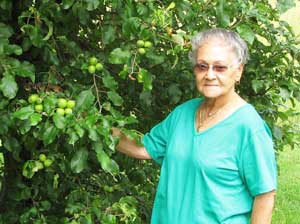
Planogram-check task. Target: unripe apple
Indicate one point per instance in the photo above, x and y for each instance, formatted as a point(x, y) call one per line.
point(32, 98)
point(68, 111)
point(99, 67)
point(148, 44)
point(48, 162)
point(39, 100)
point(60, 111)
point(140, 43)
point(92, 69)
point(38, 107)
point(39, 165)
point(141, 51)
point(71, 104)
point(62, 103)
point(42, 157)
point(93, 61)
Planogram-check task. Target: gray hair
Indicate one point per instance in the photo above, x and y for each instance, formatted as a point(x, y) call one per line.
point(232, 39)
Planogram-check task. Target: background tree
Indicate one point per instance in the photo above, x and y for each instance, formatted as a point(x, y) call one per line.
point(71, 70)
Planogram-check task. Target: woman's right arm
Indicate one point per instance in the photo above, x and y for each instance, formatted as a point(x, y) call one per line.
point(129, 146)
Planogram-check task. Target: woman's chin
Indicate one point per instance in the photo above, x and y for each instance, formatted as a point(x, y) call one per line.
point(210, 93)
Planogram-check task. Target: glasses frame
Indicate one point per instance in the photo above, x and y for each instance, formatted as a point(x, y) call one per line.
point(217, 68)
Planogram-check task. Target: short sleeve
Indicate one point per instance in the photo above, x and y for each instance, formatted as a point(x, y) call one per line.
point(259, 169)
point(156, 140)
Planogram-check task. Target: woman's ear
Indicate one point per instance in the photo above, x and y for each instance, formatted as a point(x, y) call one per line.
point(239, 73)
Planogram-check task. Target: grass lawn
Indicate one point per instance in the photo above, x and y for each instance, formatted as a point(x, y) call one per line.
point(287, 208)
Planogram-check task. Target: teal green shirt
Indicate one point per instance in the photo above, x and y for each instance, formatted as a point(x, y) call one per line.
point(212, 176)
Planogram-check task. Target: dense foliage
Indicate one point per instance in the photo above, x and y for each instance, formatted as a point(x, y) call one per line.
point(125, 64)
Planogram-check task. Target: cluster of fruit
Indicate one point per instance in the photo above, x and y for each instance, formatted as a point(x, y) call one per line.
point(94, 65)
point(65, 106)
point(143, 45)
point(36, 101)
point(42, 162)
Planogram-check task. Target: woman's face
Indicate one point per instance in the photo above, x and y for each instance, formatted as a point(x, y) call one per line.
point(216, 70)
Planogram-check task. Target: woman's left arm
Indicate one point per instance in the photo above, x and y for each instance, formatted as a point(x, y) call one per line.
point(262, 208)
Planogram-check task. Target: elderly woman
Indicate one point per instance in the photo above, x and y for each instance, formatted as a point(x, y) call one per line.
point(216, 152)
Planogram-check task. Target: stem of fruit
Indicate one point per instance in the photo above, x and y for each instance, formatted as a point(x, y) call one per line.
point(97, 94)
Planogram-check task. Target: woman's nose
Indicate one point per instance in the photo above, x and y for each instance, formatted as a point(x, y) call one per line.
point(210, 74)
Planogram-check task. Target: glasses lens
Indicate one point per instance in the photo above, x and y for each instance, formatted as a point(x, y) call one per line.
point(220, 68)
point(201, 67)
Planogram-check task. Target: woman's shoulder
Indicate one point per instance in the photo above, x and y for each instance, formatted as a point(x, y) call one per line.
point(189, 104)
point(250, 119)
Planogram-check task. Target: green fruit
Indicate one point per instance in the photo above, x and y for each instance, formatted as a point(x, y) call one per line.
point(33, 98)
point(140, 77)
point(48, 162)
point(60, 111)
point(99, 67)
point(148, 44)
point(141, 50)
point(108, 188)
point(39, 100)
point(93, 61)
point(140, 43)
point(92, 69)
point(39, 107)
point(68, 111)
point(71, 104)
point(62, 103)
point(39, 165)
point(42, 157)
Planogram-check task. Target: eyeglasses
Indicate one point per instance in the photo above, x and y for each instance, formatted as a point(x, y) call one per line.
point(203, 67)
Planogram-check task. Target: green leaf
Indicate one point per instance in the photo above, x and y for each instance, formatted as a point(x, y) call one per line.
point(257, 85)
point(106, 163)
point(93, 134)
point(171, 6)
point(92, 4)
point(8, 86)
point(85, 100)
point(277, 133)
point(118, 56)
point(50, 134)
point(146, 78)
point(79, 130)
point(246, 33)
point(115, 98)
point(109, 82)
point(24, 113)
point(12, 144)
point(284, 5)
point(73, 137)
point(109, 34)
point(175, 93)
point(13, 49)
point(59, 121)
point(25, 69)
point(79, 161)
point(67, 4)
point(35, 118)
point(222, 14)
point(28, 169)
point(5, 31)
point(131, 27)
point(178, 39)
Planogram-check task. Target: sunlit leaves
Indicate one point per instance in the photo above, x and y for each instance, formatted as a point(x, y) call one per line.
point(8, 86)
point(79, 160)
point(84, 100)
point(119, 56)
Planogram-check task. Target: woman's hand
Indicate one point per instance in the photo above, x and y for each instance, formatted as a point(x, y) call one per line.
point(129, 146)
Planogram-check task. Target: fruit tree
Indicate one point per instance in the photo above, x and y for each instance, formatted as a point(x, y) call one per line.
point(71, 70)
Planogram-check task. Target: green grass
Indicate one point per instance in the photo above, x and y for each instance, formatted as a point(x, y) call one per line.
point(287, 206)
